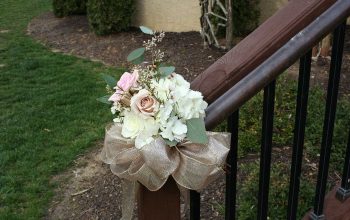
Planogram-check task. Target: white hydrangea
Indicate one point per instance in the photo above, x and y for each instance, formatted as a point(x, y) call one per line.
point(174, 129)
point(180, 87)
point(161, 88)
point(192, 106)
point(164, 112)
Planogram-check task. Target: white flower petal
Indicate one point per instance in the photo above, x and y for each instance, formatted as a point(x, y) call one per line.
point(133, 125)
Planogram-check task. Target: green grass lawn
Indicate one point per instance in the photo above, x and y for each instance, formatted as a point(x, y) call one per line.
point(48, 112)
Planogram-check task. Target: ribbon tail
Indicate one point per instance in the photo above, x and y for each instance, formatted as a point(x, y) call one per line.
point(129, 197)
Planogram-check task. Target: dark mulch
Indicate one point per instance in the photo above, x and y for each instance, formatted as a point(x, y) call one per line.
point(185, 51)
point(72, 35)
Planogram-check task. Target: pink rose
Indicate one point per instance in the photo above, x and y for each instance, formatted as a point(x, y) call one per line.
point(128, 80)
point(144, 104)
point(116, 96)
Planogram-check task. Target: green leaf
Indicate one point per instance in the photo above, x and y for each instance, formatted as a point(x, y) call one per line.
point(146, 30)
point(171, 143)
point(136, 54)
point(163, 64)
point(166, 70)
point(104, 99)
point(139, 60)
point(196, 131)
point(111, 82)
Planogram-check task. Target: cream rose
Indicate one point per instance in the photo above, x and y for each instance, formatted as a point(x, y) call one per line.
point(133, 125)
point(144, 103)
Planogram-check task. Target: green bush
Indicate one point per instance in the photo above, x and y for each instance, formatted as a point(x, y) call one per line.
point(245, 16)
point(63, 8)
point(108, 16)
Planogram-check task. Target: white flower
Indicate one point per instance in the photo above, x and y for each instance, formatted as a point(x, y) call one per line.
point(113, 109)
point(144, 104)
point(191, 106)
point(142, 140)
point(178, 80)
point(117, 120)
point(139, 128)
point(133, 125)
point(164, 112)
point(180, 87)
point(146, 136)
point(175, 129)
point(162, 88)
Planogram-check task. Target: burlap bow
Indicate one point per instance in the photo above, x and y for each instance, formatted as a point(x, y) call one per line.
point(193, 166)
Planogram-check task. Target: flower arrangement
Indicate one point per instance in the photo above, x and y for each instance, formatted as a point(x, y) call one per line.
point(153, 101)
point(158, 129)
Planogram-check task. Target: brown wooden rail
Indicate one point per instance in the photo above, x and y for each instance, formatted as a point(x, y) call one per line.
point(285, 56)
point(258, 46)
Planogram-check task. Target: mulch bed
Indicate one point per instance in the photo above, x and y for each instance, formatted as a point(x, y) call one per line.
point(72, 35)
point(102, 198)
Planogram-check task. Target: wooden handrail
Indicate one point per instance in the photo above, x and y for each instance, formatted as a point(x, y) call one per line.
point(258, 46)
point(266, 72)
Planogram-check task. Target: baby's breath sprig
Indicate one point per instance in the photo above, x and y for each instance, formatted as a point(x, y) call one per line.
point(151, 45)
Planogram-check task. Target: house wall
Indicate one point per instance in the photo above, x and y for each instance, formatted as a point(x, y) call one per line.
point(168, 15)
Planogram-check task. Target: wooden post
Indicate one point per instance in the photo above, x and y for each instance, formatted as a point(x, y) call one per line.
point(163, 204)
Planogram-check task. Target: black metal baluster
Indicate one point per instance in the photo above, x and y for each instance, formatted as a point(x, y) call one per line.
point(331, 104)
point(266, 146)
point(299, 133)
point(231, 169)
point(195, 205)
point(344, 190)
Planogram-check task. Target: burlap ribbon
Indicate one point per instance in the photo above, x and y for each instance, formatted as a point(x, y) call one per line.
point(193, 166)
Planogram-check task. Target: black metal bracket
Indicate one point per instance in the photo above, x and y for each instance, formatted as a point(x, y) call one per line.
point(227, 168)
point(313, 216)
point(342, 194)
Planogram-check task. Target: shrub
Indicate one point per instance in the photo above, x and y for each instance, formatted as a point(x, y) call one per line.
point(107, 16)
point(63, 8)
point(245, 16)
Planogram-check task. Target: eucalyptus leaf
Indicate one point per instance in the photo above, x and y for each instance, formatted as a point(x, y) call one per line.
point(104, 99)
point(139, 60)
point(166, 70)
point(136, 54)
point(171, 143)
point(111, 82)
point(196, 131)
point(163, 65)
point(146, 30)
